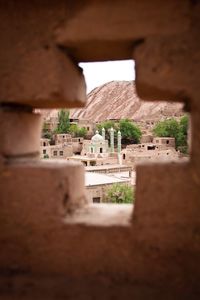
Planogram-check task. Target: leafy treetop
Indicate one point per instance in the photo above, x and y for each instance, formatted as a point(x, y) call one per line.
point(174, 128)
point(130, 132)
point(63, 122)
point(77, 131)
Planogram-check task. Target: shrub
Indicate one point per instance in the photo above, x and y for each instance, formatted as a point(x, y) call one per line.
point(120, 193)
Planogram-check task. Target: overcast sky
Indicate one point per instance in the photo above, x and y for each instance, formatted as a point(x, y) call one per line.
point(98, 73)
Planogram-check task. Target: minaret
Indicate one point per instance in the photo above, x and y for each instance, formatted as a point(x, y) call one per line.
point(95, 145)
point(112, 140)
point(119, 144)
point(103, 133)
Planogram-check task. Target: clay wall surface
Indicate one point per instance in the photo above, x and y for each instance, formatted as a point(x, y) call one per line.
point(146, 138)
point(44, 142)
point(165, 141)
point(61, 138)
point(60, 151)
point(89, 126)
point(42, 256)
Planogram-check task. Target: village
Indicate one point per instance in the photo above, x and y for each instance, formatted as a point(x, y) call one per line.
point(109, 165)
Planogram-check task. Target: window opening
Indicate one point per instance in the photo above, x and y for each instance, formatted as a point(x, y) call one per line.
point(96, 199)
point(151, 147)
point(107, 134)
point(55, 153)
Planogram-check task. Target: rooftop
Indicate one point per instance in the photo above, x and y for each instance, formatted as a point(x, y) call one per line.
point(99, 179)
point(106, 167)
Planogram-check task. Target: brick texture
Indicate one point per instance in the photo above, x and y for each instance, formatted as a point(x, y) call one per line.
point(43, 257)
point(19, 132)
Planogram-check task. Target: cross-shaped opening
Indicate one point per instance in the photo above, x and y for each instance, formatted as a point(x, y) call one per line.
point(114, 133)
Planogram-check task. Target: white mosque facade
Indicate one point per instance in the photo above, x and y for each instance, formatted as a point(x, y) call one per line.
point(97, 151)
point(96, 147)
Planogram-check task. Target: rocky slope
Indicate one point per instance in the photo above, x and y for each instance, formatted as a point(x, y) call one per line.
point(118, 99)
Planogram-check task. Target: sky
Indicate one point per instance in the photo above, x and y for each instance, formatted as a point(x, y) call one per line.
point(98, 73)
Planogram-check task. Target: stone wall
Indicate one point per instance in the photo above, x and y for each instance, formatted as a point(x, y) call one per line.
point(41, 255)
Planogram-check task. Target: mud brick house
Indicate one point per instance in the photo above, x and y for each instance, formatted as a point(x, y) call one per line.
point(156, 253)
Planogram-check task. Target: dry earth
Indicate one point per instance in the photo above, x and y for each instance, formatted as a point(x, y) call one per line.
point(118, 99)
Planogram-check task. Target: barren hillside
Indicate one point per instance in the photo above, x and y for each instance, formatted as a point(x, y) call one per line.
point(118, 99)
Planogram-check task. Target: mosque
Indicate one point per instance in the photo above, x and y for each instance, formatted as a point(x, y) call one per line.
point(97, 151)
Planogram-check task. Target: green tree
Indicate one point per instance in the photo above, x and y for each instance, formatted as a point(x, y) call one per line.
point(63, 122)
point(167, 128)
point(174, 128)
point(120, 193)
point(182, 135)
point(82, 132)
point(130, 132)
point(107, 125)
point(46, 132)
point(77, 131)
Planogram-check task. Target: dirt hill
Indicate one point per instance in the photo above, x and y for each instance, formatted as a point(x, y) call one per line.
point(118, 99)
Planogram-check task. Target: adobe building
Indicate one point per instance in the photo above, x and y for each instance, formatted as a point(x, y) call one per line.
point(89, 126)
point(53, 244)
point(97, 186)
point(146, 138)
point(161, 149)
point(67, 139)
point(51, 123)
point(61, 151)
point(65, 146)
point(164, 142)
point(61, 138)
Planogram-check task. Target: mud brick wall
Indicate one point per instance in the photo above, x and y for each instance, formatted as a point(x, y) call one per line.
point(43, 257)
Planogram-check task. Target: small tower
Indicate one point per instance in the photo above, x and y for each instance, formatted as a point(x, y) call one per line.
point(112, 140)
point(119, 144)
point(103, 133)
